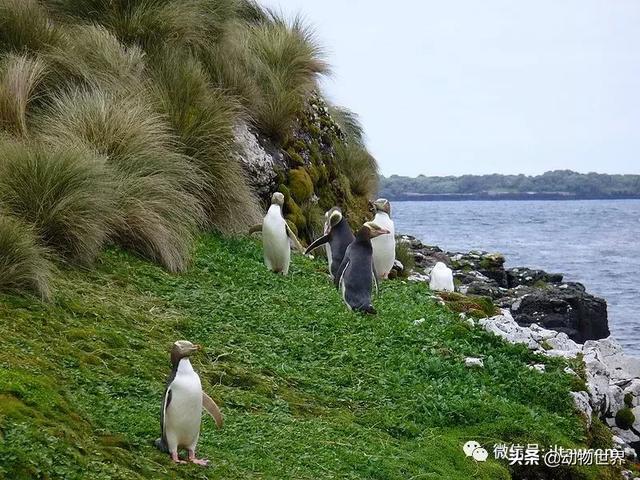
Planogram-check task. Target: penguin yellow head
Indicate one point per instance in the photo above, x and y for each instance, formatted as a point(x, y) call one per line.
point(277, 199)
point(182, 349)
point(334, 217)
point(382, 205)
point(375, 230)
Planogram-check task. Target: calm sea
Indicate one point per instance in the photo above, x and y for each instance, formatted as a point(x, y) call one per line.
point(595, 242)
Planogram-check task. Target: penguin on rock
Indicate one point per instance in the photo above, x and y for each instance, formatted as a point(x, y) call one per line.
point(441, 278)
point(384, 247)
point(277, 237)
point(182, 406)
point(356, 276)
point(337, 237)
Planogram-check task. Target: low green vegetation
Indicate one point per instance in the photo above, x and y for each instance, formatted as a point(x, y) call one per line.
point(308, 389)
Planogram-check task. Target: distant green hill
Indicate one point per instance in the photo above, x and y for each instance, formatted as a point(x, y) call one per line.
point(308, 389)
point(557, 184)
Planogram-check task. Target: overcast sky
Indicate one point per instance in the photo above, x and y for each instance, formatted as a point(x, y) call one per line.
point(454, 87)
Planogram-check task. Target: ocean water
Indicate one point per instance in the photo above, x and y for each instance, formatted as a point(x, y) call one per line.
point(594, 242)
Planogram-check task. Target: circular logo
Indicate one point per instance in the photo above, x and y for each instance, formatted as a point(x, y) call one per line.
point(480, 454)
point(469, 447)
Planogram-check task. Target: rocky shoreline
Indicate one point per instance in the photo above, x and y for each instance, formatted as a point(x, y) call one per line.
point(555, 319)
point(532, 296)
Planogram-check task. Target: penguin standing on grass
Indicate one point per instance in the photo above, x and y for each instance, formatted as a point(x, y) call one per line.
point(276, 237)
point(182, 406)
point(384, 247)
point(356, 275)
point(337, 237)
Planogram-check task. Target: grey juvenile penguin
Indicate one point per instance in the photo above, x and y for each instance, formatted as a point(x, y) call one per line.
point(182, 406)
point(337, 235)
point(356, 274)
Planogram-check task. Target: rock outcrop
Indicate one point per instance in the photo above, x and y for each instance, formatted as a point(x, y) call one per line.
point(612, 378)
point(532, 296)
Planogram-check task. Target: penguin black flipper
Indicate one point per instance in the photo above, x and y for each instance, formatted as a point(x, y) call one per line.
point(212, 409)
point(343, 267)
point(161, 443)
point(317, 243)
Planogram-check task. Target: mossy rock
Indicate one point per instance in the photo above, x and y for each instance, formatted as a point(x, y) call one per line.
point(473, 305)
point(295, 159)
point(300, 185)
point(293, 213)
point(314, 173)
point(493, 261)
point(625, 418)
point(628, 400)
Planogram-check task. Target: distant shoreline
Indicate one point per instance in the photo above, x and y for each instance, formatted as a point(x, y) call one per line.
point(461, 197)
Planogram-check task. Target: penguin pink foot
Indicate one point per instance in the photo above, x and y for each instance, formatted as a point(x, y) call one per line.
point(176, 458)
point(198, 461)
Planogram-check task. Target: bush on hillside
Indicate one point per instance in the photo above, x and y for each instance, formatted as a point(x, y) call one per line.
point(349, 123)
point(158, 216)
point(286, 61)
point(360, 168)
point(65, 193)
point(203, 118)
point(23, 262)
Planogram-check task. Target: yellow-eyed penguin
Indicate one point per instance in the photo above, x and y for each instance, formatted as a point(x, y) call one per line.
point(182, 406)
point(276, 236)
point(356, 275)
point(337, 237)
point(441, 278)
point(384, 247)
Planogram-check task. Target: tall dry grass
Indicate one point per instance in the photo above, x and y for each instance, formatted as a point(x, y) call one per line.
point(158, 214)
point(26, 26)
point(203, 118)
point(64, 192)
point(24, 265)
point(360, 167)
point(20, 77)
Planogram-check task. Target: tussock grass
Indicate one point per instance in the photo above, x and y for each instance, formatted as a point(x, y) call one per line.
point(20, 77)
point(152, 24)
point(25, 25)
point(92, 55)
point(24, 265)
point(405, 256)
point(286, 61)
point(360, 167)
point(349, 123)
point(158, 216)
point(65, 193)
point(203, 118)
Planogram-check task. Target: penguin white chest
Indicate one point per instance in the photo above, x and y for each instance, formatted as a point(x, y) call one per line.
point(277, 252)
point(384, 246)
point(184, 413)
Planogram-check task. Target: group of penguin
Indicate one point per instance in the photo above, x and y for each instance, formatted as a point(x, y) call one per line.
point(356, 262)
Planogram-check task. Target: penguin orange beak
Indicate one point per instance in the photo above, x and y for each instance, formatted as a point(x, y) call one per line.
point(198, 347)
point(383, 231)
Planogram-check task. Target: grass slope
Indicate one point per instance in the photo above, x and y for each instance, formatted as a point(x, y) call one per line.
point(309, 390)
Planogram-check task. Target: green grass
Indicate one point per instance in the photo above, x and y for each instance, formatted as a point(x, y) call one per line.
point(309, 390)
